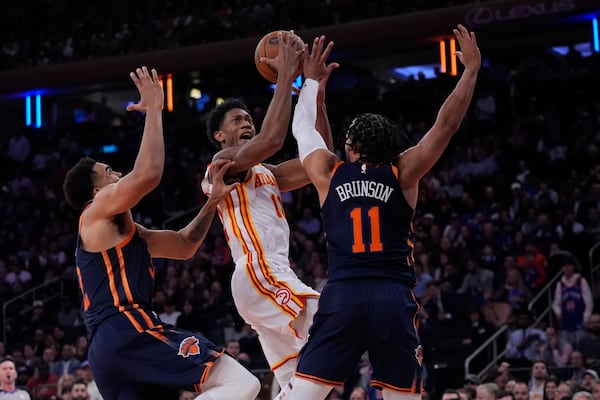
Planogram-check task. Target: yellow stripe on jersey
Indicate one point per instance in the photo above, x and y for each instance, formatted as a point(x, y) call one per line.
point(244, 207)
point(236, 230)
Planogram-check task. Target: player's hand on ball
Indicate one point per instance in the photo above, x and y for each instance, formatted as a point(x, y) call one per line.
point(468, 54)
point(290, 49)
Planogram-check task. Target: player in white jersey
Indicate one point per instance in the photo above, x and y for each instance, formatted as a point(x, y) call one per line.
point(267, 293)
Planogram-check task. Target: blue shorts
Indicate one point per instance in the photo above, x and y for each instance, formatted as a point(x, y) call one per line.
point(354, 316)
point(128, 363)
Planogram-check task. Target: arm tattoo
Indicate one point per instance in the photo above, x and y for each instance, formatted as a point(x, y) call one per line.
point(200, 226)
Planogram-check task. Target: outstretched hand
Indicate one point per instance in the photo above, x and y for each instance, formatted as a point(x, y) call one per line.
point(468, 54)
point(314, 61)
point(220, 189)
point(151, 92)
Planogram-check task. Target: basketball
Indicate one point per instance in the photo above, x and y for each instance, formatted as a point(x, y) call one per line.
point(268, 47)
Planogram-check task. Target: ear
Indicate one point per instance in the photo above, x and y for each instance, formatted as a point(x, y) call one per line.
point(219, 136)
point(95, 191)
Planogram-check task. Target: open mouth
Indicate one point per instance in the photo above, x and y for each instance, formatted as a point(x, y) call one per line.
point(246, 136)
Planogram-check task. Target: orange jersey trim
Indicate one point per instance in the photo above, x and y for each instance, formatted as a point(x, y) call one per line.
point(395, 171)
point(283, 361)
point(249, 225)
point(381, 385)
point(318, 380)
point(335, 167)
point(230, 209)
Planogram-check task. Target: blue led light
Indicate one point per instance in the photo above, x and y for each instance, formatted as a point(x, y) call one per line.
point(595, 32)
point(109, 148)
point(28, 110)
point(38, 111)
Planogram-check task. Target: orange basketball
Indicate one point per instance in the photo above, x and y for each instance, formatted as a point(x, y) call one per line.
point(268, 47)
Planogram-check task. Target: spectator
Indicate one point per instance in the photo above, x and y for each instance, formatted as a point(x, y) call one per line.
point(487, 391)
point(309, 224)
point(88, 378)
point(551, 387)
point(43, 386)
point(521, 391)
point(573, 302)
point(564, 391)
point(556, 351)
point(589, 377)
point(539, 373)
point(476, 280)
point(578, 367)
point(68, 364)
point(524, 341)
point(589, 346)
point(170, 313)
point(79, 391)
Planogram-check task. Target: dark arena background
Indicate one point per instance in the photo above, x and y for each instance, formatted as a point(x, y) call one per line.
point(516, 193)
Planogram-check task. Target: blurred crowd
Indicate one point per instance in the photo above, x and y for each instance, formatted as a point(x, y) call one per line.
point(513, 202)
point(51, 32)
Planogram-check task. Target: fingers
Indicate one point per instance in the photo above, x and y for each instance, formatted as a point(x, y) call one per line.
point(222, 165)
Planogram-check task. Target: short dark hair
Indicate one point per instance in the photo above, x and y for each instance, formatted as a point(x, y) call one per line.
point(216, 116)
point(378, 138)
point(505, 393)
point(7, 358)
point(79, 382)
point(78, 186)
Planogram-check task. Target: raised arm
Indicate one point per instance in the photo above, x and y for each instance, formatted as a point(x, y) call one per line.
point(184, 243)
point(290, 174)
point(317, 159)
point(119, 197)
point(277, 118)
point(415, 162)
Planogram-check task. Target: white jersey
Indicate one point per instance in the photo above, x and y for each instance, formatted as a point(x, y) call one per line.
point(266, 291)
point(253, 217)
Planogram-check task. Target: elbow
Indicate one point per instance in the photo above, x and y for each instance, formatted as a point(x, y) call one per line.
point(151, 179)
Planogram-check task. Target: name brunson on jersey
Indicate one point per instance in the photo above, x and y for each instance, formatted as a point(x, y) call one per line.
point(364, 189)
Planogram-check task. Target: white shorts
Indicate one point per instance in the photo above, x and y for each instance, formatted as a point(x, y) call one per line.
point(270, 297)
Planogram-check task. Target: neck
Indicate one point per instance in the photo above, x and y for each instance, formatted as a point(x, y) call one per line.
point(8, 387)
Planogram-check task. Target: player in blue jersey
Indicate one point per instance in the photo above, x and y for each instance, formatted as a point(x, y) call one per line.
point(367, 206)
point(132, 354)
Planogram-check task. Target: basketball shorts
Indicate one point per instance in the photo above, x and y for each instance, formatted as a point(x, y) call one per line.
point(126, 359)
point(377, 316)
point(270, 297)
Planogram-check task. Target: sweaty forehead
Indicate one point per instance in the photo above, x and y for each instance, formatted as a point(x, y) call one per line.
point(236, 112)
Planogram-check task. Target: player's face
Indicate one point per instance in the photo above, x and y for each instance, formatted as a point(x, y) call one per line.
point(105, 175)
point(351, 155)
point(237, 128)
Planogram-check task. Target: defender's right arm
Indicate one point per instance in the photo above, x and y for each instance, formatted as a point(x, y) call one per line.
point(119, 197)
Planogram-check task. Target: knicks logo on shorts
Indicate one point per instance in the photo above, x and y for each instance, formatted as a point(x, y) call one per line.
point(189, 347)
point(283, 296)
point(419, 355)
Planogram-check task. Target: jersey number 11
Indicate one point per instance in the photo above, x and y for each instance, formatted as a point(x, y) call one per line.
point(357, 226)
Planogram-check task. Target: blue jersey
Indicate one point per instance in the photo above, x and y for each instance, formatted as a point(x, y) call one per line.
point(117, 280)
point(573, 306)
point(368, 224)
